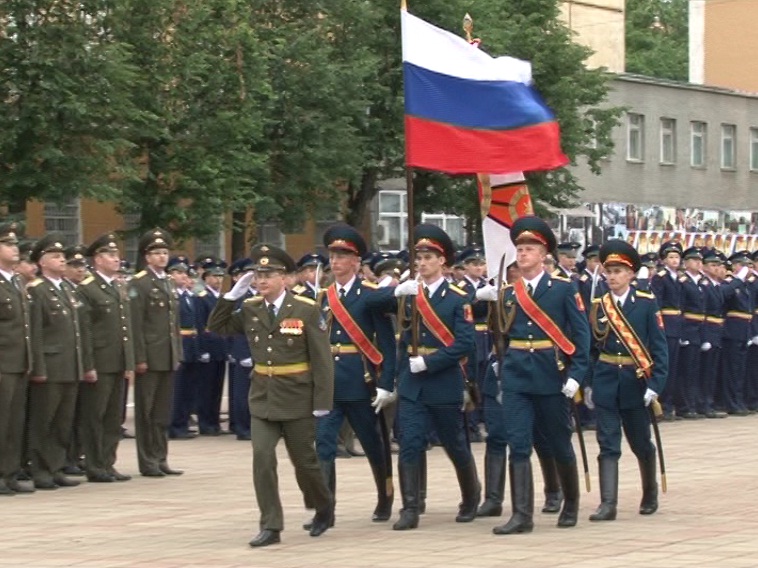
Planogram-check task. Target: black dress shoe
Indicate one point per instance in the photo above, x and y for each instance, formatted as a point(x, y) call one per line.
point(126, 435)
point(100, 477)
point(168, 471)
point(63, 481)
point(265, 537)
point(715, 414)
point(45, 484)
point(210, 431)
point(322, 520)
point(153, 473)
point(5, 490)
point(183, 436)
point(243, 437)
point(119, 476)
point(690, 416)
point(17, 487)
point(74, 470)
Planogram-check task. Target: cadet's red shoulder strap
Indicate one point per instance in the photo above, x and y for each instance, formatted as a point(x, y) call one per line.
point(433, 321)
point(626, 334)
point(351, 326)
point(543, 320)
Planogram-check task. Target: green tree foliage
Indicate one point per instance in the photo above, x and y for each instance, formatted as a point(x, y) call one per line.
point(657, 38)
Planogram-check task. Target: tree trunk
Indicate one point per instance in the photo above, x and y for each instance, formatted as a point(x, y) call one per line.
point(239, 242)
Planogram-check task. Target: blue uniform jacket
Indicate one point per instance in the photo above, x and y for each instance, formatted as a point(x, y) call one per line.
point(713, 328)
point(536, 372)
point(349, 369)
point(619, 387)
point(693, 307)
point(482, 338)
point(443, 381)
point(585, 288)
point(668, 293)
point(738, 309)
point(188, 326)
point(208, 342)
point(752, 284)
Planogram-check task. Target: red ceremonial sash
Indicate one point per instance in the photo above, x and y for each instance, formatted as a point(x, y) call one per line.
point(433, 321)
point(626, 334)
point(543, 320)
point(352, 328)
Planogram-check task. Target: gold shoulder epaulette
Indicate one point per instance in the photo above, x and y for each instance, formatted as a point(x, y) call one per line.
point(751, 278)
point(561, 278)
point(583, 278)
point(370, 284)
point(457, 290)
point(140, 274)
point(298, 289)
point(460, 283)
point(306, 300)
point(598, 300)
point(88, 280)
point(253, 300)
point(661, 272)
point(682, 279)
point(35, 282)
point(202, 294)
point(648, 295)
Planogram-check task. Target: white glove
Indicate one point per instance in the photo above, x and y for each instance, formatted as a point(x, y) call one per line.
point(417, 364)
point(496, 367)
point(742, 274)
point(383, 398)
point(466, 400)
point(320, 413)
point(384, 282)
point(231, 359)
point(246, 362)
point(205, 357)
point(240, 287)
point(405, 275)
point(650, 397)
point(684, 342)
point(643, 273)
point(705, 347)
point(407, 288)
point(487, 293)
point(588, 398)
point(749, 342)
point(570, 388)
point(755, 340)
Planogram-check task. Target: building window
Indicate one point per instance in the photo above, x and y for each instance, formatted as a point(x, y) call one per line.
point(754, 149)
point(728, 135)
point(64, 218)
point(209, 246)
point(131, 240)
point(698, 145)
point(668, 140)
point(635, 139)
point(391, 229)
point(453, 225)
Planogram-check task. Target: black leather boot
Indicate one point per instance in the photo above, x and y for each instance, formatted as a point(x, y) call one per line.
point(649, 503)
point(494, 486)
point(409, 488)
point(471, 492)
point(553, 493)
point(522, 499)
point(330, 477)
point(422, 484)
point(569, 477)
point(385, 493)
point(609, 490)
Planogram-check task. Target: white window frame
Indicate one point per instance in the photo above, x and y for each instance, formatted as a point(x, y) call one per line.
point(635, 150)
point(385, 215)
point(668, 141)
point(64, 218)
point(754, 149)
point(698, 130)
point(728, 146)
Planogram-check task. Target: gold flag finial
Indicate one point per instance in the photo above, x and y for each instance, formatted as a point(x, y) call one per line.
point(403, 5)
point(468, 26)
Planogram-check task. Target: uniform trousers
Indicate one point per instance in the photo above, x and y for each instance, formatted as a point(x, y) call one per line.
point(549, 413)
point(493, 419)
point(733, 355)
point(210, 384)
point(710, 369)
point(686, 393)
point(184, 395)
point(636, 425)
point(667, 396)
point(448, 422)
point(239, 415)
point(152, 416)
point(299, 435)
point(751, 378)
point(13, 394)
point(51, 423)
point(100, 421)
point(364, 422)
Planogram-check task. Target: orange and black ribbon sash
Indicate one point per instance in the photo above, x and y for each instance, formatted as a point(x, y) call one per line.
point(433, 321)
point(543, 320)
point(352, 328)
point(628, 337)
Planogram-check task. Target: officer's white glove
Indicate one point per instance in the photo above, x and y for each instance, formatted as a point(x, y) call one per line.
point(742, 274)
point(588, 398)
point(684, 342)
point(569, 389)
point(487, 293)
point(246, 363)
point(240, 287)
point(650, 397)
point(405, 275)
point(755, 340)
point(231, 359)
point(320, 413)
point(417, 364)
point(383, 398)
point(384, 282)
point(205, 357)
point(705, 347)
point(496, 367)
point(466, 400)
point(643, 273)
point(749, 342)
point(407, 288)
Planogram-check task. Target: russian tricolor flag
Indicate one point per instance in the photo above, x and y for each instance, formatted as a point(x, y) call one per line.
point(467, 112)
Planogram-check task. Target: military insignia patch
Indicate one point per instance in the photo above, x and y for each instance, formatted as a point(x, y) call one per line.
point(468, 314)
point(291, 327)
point(133, 293)
point(579, 301)
point(659, 319)
point(322, 325)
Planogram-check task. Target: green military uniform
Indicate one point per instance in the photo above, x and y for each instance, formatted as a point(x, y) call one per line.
point(293, 377)
point(57, 368)
point(14, 367)
point(105, 312)
point(155, 328)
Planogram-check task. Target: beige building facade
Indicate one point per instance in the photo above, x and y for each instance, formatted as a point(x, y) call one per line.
point(598, 24)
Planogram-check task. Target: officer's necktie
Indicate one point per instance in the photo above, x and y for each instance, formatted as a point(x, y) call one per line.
point(272, 312)
point(618, 304)
point(342, 294)
point(529, 289)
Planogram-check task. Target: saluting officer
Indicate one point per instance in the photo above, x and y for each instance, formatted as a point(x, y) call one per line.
point(105, 312)
point(432, 383)
point(157, 353)
point(364, 352)
point(293, 381)
point(630, 373)
point(537, 309)
point(15, 363)
point(58, 363)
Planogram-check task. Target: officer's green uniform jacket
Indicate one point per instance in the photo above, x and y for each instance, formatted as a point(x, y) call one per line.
point(14, 328)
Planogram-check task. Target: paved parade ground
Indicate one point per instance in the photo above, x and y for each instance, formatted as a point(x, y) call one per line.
point(207, 516)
